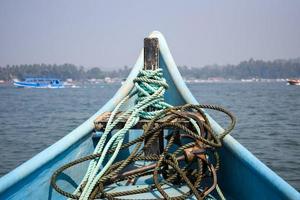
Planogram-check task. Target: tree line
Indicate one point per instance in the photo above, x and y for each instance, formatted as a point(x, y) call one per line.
point(246, 69)
point(63, 72)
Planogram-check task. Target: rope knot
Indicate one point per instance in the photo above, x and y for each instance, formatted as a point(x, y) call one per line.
point(150, 84)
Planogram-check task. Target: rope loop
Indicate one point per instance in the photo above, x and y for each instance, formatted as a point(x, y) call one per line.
point(149, 88)
point(151, 83)
point(179, 162)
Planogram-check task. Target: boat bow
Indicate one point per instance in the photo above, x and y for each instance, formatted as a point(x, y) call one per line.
point(242, 175)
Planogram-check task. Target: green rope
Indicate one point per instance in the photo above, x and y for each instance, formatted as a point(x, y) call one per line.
point(190, 172)
point(149, 87)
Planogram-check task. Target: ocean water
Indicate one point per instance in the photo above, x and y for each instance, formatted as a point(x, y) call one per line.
point(268, 117)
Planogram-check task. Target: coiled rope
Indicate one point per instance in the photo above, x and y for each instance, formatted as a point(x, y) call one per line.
point(150, 87)
point(170, 167)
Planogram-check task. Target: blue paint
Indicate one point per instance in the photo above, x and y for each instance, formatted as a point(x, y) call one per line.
point(39, 83)
point(242, 175)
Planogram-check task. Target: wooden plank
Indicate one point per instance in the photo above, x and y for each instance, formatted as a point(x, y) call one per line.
point(151, 58)
point(151, 53)
point(101, 121)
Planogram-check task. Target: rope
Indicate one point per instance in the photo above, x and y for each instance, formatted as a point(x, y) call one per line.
point(150, 87)
point(171, 166)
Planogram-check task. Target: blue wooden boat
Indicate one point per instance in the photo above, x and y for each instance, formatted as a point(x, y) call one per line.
point(242, 175)
point(39, 83)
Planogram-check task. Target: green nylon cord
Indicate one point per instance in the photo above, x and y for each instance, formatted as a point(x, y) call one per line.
point(149, 87)
point(181, 112)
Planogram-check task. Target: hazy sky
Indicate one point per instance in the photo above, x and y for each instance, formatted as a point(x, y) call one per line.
point(110, 33)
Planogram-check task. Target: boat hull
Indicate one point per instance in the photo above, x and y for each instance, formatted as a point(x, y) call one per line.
point(294, 82)
point(241, 176)
point(36, 85)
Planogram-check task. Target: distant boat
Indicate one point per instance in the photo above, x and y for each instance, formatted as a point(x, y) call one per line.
point(70, 85)
point(39, 83)
point(293, 81)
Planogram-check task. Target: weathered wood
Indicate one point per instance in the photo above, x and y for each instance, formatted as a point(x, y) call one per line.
point(151, 53)
point(101, 121)
point(151, 59)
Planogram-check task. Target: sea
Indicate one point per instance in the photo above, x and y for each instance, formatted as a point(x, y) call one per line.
point(268, 119)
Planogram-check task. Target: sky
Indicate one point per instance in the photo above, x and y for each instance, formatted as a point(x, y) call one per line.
point(109, 34)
